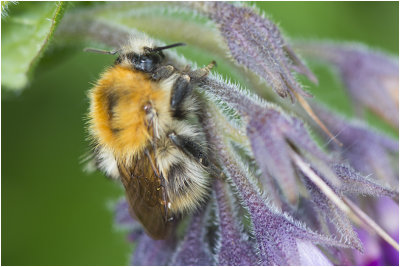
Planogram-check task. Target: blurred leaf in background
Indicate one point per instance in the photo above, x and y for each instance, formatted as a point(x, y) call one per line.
point(26, 32)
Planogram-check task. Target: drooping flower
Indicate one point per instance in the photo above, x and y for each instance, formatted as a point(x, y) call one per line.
point(371, 77)
point(256, 43)
point(367, 150)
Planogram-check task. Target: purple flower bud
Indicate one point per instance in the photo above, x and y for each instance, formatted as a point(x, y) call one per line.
point(367, 150)
point(256, 43)
point(272, 135)
point(371, 77)
point(335, 220)
point(356, 184)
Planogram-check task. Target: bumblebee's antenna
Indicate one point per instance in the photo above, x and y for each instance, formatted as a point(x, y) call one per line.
point(167, 46)
point(100, 51)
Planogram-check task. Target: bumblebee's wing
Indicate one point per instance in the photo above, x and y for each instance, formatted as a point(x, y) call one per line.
point(146, 196)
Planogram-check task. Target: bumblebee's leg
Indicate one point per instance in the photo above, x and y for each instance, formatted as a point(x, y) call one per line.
point(203, 72)
point(180, 90)
point(183, 87)
point(190, 147)
point(163, 72)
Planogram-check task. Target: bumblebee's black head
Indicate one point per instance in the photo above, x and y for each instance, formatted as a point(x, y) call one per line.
point(148, 60)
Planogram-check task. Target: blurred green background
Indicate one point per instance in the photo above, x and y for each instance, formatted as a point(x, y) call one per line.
point(55, 214)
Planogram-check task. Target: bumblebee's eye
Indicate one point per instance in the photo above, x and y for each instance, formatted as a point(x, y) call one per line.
point(146, 62)
point(155, 57)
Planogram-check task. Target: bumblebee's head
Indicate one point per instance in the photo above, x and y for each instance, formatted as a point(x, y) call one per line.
point(144, 58)
point(140, 54)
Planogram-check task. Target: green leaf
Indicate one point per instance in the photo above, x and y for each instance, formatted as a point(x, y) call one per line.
point(4, 8)
point(26, 33)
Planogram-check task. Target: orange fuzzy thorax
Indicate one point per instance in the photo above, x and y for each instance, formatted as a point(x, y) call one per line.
point(125, 92)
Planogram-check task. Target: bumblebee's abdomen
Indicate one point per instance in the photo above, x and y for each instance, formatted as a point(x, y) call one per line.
point(118, 116)
point(187, 179)
point(188, 186)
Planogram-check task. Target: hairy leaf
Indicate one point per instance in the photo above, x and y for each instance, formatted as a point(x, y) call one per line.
point(26, 33)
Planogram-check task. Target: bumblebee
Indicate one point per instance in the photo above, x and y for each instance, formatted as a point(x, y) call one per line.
point(142, 123)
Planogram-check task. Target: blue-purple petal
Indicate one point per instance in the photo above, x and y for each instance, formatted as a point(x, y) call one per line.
point(310, 255)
